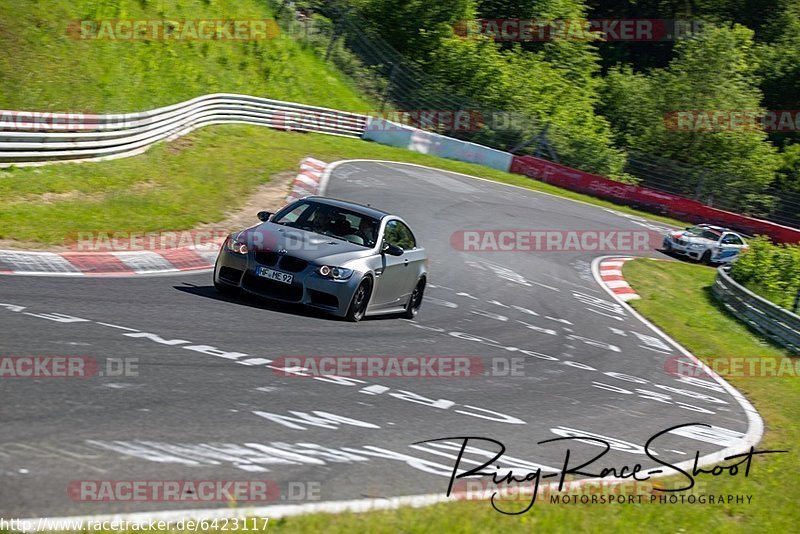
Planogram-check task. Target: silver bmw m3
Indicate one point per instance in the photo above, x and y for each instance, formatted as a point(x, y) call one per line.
point(347, 259)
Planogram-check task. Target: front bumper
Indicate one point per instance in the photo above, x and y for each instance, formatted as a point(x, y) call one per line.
point(307, 287)
point(686, 250)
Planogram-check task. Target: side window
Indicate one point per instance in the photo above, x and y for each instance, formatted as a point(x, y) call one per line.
point(294, 214)
point(731, 239)
point(400, 235)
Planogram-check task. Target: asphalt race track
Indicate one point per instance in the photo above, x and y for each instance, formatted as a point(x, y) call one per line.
point(194, 409)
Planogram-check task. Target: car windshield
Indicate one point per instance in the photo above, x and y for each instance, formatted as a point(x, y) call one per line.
point(705, 233)
point(331, 221)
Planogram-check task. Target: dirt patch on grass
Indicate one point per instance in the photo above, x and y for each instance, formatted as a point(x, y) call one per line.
point(269, 196)
point(179, 145)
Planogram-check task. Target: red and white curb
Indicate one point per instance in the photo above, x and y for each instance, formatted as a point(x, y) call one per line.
point(130, 263)
point(309, 179)
point(611, 277)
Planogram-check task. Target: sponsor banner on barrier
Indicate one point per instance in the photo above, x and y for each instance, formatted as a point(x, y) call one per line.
point(734, 366)
point(642, 197)
point(173, 29)
point(608, 30)
point(535, 240)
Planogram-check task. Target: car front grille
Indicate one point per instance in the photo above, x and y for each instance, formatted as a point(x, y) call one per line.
point(267, 257)
point(290, 264)
point(293, 265)
point(271, 288)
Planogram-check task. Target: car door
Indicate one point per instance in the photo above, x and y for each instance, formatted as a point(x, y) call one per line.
point(729, 247)
point(396, 277)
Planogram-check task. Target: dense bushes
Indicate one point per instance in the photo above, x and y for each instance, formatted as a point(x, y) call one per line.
point(773, 271)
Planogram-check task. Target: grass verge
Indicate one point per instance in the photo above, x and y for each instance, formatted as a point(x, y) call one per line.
point(190, 181)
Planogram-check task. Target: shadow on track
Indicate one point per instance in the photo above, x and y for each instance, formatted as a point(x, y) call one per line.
point(253, 301)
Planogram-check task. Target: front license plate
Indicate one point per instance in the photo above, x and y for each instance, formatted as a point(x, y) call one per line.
point(274, 275)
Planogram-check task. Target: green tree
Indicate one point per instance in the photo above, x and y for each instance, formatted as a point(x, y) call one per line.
point(715, 71)
point(415, 27)
point(537, 92)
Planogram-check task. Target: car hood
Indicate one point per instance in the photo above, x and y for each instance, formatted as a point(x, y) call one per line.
point(301, 244)
point(691, 238)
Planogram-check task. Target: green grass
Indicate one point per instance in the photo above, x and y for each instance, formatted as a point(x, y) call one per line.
point(688, 311)
point(192, 180)
point(42, 68)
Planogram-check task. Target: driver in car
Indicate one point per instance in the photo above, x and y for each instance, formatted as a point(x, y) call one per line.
point(321, 223)
point(366, 231)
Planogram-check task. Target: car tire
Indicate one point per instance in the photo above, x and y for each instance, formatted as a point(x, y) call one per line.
point(358, 306)
point(706, 258)
point(415, 300)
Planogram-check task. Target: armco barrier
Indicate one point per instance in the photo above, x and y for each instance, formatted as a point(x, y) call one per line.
point(778, 324)
point(31, 139)
point(400, 135)
point(387, 132)
point(445, 147)
point(647, 199)
point(28, 139)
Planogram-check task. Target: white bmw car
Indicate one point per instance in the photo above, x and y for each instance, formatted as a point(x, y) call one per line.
point(706, 243)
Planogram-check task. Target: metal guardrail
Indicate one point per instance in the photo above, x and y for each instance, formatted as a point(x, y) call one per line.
point(79, 137)
point(778, 324)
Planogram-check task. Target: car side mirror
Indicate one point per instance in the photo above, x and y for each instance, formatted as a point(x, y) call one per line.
point(392, 250)
point(264, 216)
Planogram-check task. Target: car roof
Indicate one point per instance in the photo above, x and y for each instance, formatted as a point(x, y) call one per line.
point(714, 227)
point(366, 210)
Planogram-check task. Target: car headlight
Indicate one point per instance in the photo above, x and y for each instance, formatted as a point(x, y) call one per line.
point(231, 245)
point(697, 246)
point(335, 273)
